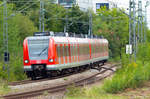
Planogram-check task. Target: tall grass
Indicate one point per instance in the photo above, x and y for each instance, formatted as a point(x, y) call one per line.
point(132, 74)
point(90, 93)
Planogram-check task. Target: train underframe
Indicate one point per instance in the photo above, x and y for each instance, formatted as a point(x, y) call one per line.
point(39, 71)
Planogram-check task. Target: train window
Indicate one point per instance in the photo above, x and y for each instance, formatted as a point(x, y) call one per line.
point(61, 51)
point(65, 50)
point(87, 52)
point(94, 48)
point(80, 50)
point(58, 50)
point(83, 49)
point(103, 47)
point(97, 48)
point(71, 49)
point(77, 50)
point(74, 49)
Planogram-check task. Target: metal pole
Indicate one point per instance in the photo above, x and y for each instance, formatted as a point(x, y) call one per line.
point(141, 29)
point(134, 29)
point(145, 34)
point(140, 21)
point(145, 27)
point(138, 35)
point(5, 38)
point(40, 20)
point(90, 21)
point(43, 15)
point(130, 26)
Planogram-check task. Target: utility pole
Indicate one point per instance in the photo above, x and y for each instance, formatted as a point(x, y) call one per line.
point(130, 23)
point(145, 29)
point(5, 38)
point(90, 21)
point(132, 27)
point(140, 21)
point(41, 16)
point(145, 24)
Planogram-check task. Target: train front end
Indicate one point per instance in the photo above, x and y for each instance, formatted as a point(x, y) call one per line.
point(38, 54)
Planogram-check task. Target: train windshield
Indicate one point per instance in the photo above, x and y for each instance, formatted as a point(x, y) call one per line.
point(38, 49)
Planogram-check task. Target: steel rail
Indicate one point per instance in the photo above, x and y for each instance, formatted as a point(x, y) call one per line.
point(62, 87)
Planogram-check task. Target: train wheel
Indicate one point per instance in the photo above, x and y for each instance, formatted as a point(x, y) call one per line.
point(33, 76)
point(44, 74)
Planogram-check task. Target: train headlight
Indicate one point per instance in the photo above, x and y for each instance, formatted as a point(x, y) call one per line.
point(26, 61)
point(51, 60)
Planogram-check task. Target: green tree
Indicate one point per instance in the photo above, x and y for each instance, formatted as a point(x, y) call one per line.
point(79, 22)
point(113, 25)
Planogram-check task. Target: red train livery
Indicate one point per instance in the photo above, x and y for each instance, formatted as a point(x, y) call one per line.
point(45, 54)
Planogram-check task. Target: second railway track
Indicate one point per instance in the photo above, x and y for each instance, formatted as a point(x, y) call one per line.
point(81, 82)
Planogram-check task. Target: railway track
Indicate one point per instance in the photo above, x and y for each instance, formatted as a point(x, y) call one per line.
point(42, 79)
point(81, 82)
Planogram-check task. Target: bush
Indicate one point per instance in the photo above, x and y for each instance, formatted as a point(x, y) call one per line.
point(15, 70)
point(131, 75)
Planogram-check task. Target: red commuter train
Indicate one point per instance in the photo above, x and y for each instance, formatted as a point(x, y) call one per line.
point(46, 54)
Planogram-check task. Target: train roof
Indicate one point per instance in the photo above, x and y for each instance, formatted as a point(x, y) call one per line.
point(68, 39)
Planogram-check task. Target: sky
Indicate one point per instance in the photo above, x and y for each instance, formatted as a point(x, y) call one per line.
point(125, 4)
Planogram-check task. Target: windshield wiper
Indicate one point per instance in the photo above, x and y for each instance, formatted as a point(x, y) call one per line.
point(43, 51)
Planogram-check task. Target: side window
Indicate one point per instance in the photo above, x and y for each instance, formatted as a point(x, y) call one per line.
point(58, 50)
point(65, 50)
point(75, 51)
point(61, 51)
point(71, 49)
